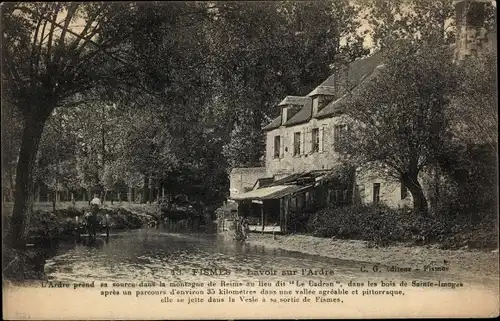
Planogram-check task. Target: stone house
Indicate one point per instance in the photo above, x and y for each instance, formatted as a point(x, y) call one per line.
point(303, 141)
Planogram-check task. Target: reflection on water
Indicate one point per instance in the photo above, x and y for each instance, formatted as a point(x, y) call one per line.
point(151, 254)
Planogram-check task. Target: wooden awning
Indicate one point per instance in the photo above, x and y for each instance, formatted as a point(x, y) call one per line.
point(271, 192)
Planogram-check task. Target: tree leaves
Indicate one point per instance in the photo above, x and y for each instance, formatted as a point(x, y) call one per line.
point(399, 114)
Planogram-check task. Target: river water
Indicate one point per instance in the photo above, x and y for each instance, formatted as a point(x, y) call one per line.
point(151, 254)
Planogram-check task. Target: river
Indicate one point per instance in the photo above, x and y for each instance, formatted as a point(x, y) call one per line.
point(152, 254)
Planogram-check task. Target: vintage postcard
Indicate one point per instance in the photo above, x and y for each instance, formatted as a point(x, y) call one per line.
point(236, 160)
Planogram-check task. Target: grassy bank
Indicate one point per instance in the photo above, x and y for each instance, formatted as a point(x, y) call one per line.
point(46, 224)
point(47, 227)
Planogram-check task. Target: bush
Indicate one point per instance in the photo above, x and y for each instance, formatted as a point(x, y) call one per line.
point(370, 223)
point(382, 225)
point(123, 219)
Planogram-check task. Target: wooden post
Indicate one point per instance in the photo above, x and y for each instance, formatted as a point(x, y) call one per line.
point(282, 210)
point(287, 212)
point(262, 216)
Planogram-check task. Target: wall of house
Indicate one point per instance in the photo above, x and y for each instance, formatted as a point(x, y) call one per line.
point(288, 163)
point(327, 158)
point(243, 179)
point(390, 189)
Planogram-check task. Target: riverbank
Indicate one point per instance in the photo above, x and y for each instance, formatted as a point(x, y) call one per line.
point(461, 262)
point(46, 228)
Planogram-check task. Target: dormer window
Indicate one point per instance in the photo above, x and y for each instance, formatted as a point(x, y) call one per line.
point(320, 101)
point(292, 110)
point(323, 100)
point(288, 112)
point(290, 106)
point(284, 115)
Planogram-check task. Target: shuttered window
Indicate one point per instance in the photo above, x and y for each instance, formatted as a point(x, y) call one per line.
point(303, 142)
point(315, 140)
point(321, 144)
point(296, 143)
point(282, 146)
point(277, 146)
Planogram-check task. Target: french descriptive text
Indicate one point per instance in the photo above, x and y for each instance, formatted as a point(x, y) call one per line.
point(284, 289)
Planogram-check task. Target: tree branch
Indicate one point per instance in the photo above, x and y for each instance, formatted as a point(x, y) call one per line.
point(71, 12)
point(51, 35)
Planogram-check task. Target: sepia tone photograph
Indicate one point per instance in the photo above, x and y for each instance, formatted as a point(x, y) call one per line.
point(249, 159)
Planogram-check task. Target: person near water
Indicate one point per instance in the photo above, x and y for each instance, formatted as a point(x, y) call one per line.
point(246, 227)
point(95, 204)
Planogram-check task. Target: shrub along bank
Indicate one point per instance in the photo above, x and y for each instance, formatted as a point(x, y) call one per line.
point(381, 225)
point(46, 227)
point(60, 224)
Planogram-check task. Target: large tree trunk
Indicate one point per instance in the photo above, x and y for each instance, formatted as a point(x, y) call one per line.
point(419, 200)
point(32, 133)
point(12, 187)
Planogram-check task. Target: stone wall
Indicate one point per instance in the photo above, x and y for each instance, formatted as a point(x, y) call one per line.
point(326, 158)
point(242, 180)
point(307, 160)
point(390, 189)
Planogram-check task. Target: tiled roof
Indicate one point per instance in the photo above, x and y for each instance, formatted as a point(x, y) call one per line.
point(303, 115)
point(294, 100)
point(322, 90)
point(275, 123)
point(359, 70)
point(334, 107)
